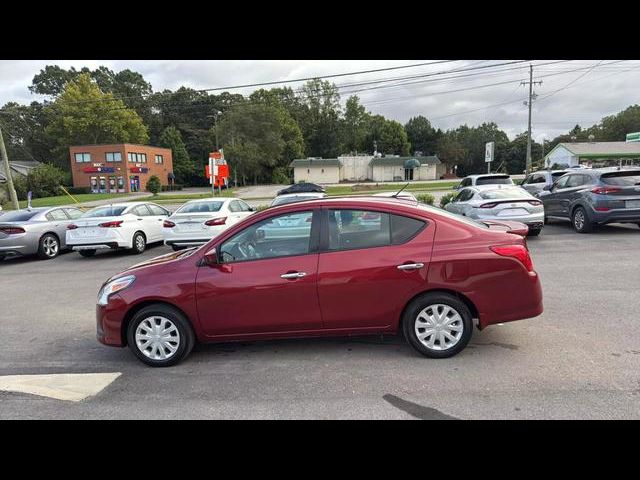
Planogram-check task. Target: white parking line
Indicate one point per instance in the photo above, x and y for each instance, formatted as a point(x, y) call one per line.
point(73, 387)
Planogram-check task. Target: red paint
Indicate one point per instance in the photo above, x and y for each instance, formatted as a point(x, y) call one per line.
point(344, 292)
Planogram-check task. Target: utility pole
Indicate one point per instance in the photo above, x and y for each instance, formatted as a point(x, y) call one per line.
point(7, 169)
point(532, 97)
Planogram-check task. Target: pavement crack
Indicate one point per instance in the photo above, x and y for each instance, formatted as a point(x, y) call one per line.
point(510, 346)
point(415, 410)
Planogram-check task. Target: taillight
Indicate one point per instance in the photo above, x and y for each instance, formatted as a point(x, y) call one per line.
point(518, 252)
point(72, 226)
point(535, 203)
point(605, 190)
point(168, 224)
point(113, 224)
point(216, 221)
point(488, 205)
point(12, 230)
point(602, 209)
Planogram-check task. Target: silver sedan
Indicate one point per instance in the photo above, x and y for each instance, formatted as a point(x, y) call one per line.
point(39, 231)
point(499, 202)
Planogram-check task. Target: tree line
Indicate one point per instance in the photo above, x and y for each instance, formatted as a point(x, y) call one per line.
point(260, 133)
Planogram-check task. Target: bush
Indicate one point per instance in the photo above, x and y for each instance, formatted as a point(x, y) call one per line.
point(154, 185)
point(280, 175)
point(259, 208)
point(21, 187)
point(447, 198)
point(45, 181)
point(426, 198)
point(78, 190)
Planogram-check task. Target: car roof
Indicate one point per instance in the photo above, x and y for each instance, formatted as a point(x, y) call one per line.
point(211, 199)
point(481, 175)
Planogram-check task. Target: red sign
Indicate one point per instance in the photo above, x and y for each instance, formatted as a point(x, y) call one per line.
point(98, 169)
point(216, 155)
point(139, 169)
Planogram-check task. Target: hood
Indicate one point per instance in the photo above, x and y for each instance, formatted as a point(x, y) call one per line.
point(507, 226)
point(152, 263)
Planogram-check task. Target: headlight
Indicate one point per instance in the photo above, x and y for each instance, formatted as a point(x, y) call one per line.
point(114, 286)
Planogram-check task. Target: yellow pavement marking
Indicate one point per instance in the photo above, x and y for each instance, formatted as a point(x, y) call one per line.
point(72, 387)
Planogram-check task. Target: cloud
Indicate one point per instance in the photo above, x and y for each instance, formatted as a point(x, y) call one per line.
point(604, 90)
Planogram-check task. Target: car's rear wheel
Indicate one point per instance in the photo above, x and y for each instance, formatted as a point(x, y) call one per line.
point(580, 221)
point(48, 247)
point(139, 243)
point(87, 253)
point(437, 325)
point(2, 257)
point(160, 336)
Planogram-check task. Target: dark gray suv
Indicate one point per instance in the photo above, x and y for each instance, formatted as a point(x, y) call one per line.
point(592, 197)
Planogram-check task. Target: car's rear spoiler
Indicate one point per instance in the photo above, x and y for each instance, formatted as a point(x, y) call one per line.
point(508, 226)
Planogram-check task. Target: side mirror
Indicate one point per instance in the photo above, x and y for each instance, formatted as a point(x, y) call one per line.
point(211, 257)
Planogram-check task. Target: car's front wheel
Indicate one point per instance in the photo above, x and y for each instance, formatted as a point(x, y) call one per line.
point(580, 221)
point(48, 247)
point(160, 336)
point(437, 325)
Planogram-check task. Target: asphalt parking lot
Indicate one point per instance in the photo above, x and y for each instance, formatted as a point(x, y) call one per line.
point(580, 359)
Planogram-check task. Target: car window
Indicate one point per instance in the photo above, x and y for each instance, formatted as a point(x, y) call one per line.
point(141, 211)
point(562, 182)
point(107, 211)
point(73, 213)
point(278, 236)
point(200, 207)
point(291, 199)
point(504, 193)
point(404, 228)
point(56, 215)
point(234, 206)
point(244, 207)
point(350, 229)
point(466, 182)
point(494, 180)
point(556, 175)
point(621, 178)
point(575, 181)
point(539, 178)
point(465, 195)
point(156, 210)
point(18, 216)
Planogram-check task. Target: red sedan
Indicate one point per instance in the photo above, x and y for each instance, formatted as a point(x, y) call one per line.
point(326, 267)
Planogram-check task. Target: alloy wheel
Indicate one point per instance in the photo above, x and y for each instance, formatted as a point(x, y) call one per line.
point(578, 220)
point(50, 246)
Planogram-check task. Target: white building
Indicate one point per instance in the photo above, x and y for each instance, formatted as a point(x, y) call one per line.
point(572, 154)
point(367, 168)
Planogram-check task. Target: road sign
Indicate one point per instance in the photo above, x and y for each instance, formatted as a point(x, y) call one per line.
point(488, 151)
point(633, 137)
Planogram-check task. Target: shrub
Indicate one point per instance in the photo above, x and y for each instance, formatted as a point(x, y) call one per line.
point(78, 190)
point(45, 180)
point(280, 175)
point(170, 188)
point(154, 185)
point(426, 198)
point(261, 207)
point(21, 187)
point(446, 198)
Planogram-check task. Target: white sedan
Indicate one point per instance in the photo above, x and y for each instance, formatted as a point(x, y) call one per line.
point(198, 221)
point(130, 225)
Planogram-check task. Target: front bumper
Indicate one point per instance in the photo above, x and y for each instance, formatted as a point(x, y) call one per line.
point(109, 321)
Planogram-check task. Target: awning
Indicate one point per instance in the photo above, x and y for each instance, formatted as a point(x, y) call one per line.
point(412, 163)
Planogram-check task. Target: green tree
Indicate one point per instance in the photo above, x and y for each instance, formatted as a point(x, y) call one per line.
point(82, 114)
point(389, 135)
point(451, 152)
point(320, 118)
point(153, 185)
point(353, 129)
point(183, 167)
point(45, 180)
point(422, 136)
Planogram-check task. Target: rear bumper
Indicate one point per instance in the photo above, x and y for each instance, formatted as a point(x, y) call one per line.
point(95, 246)
point(621, 215)
point(112, 238)
point(534, 220)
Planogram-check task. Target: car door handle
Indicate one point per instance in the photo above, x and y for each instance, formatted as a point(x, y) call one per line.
point(410, 266)
point(293, 275)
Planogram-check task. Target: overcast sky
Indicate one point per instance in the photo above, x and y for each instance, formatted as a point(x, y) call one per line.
point(581, 91)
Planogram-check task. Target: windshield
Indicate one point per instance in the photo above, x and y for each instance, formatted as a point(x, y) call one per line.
point(624, 179)
point(18, 216)
point(107, 211)
point(504, 193)
point(496, 180)
point(555, 175)
point(200, 207)
point(291, 199)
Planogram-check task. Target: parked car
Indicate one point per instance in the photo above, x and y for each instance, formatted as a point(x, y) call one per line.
point(198, 221)
point(401, 195)
point(296, 197)
point(536, 181)
point(485, 179)
point(130, 226)
point(498, 202)
point(302, 187)
point(423, 271)
point(35, 231)
point(590, 197)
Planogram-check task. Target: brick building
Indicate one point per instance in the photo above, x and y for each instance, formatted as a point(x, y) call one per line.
point(120, 167)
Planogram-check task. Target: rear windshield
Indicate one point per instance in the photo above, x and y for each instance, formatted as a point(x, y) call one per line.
point(625, 179)
point(17, 216)
point(497, 180)
point(200, 207)
point(291, 199)
point(504, 193)
point(105, 212)
point(557, 174)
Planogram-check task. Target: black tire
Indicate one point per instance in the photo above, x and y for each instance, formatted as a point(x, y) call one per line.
point(186, 335)
point(87, 253)
point(534, 232)
point(48, 246)
point(2, 257)
point(176, 248)
point(580, 221)
point(139, 243)
point(423, 302)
